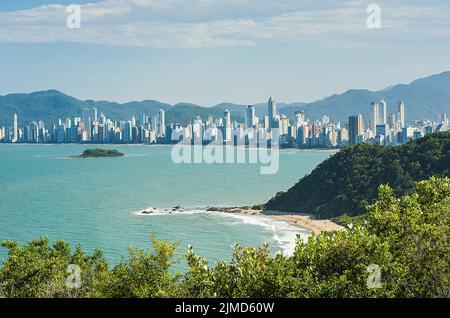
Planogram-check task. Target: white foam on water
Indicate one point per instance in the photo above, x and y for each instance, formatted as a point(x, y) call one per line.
point(283, 232)
point(150, 211)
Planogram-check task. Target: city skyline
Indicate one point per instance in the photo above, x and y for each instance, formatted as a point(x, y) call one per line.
point(298, 132)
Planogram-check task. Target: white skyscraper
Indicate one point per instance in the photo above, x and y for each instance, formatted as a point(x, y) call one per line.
point(15, 130)
point(401, 114)
point(382, 111)
point(227, 133)
point(161, 124)
point(375, 119)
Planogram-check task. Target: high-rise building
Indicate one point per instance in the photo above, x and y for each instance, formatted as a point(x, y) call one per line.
point(382, 111)
point(2, 133)
point(284, 125)
point(375, 116)
point(266, 122)
point(391, 122)
point(356, 128)
point(127, 132)
point(342, 136)
point(197, 129)
point(250, 117)
point(401, 114)
point(299, 117)
point(86, 119)
point(227, 133)
point(95, 114)
point(227, 118)
point(272, 111)
point(382, 130)
point(15, 130)
point(161, 124)
point(406, 134)
point(144, 120)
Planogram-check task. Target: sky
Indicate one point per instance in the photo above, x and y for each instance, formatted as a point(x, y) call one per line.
point(211, 51)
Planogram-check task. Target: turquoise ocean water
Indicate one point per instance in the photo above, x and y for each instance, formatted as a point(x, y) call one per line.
point(94, 201)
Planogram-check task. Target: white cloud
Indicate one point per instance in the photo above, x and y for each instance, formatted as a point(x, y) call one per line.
point(215, 23)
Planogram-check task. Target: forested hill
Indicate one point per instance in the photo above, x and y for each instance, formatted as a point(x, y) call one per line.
point(425, 98)
point(348, 181)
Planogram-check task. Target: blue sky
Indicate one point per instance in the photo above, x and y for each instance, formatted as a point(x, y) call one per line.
point(212, 51)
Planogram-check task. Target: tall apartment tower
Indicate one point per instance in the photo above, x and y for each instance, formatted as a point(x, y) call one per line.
point(401, 114)
point(227, 126)
point(272, 111)
point(375, 116)
point(95, 113)
point(356, 128)
point(382, 111)
point(161, 123)
point(15, 130)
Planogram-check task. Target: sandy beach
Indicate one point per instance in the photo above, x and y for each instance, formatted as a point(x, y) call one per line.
point(305, 221)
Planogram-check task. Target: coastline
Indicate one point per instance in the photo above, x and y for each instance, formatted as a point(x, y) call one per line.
point(282, 150)
point(302, 220)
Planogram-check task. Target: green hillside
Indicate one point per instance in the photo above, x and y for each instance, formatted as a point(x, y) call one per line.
point(425, 98)
point(348, 181)
point(51, 105)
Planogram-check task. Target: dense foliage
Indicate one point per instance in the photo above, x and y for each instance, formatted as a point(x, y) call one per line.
point(348, 181)
point(406, 238)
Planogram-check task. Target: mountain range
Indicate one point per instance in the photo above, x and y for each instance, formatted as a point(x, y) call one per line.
point(425, 98)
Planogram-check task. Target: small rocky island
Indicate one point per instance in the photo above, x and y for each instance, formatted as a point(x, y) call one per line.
point(99, 153)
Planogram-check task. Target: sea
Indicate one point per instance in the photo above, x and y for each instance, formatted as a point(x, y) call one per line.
point(97, 202)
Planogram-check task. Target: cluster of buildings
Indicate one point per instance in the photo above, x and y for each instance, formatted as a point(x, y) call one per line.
point(299, 132)
point(391, 129)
